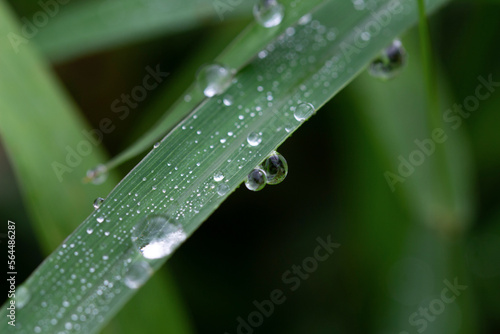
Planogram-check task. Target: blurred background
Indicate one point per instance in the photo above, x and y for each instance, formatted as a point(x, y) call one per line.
point(397, 251)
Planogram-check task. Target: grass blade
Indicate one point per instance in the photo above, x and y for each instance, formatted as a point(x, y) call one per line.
point(35, 145)
point(90, 26)
point(236, 55)
point(307, 64)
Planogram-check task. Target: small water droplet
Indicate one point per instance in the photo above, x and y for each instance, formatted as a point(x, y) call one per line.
point(228, 100)
point(98, 202)
point(100, 220)
point(157, 236)
point(90, 230)
point(218, 176)
point(138, 274)
point(214, 79)
point(390, 62)
point(275, 167)
point(156, 145)
point(254, 138)
point(256, 180)
point(22, 297)
point(222, 189)
point(305, 19)
point(303, 111)
point(268, 13)
point(97, 175)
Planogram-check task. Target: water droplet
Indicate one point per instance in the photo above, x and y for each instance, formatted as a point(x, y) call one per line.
point(157, 236)
point(100, 220)
point(303, 111)
point(218, 176)
point(305, 19)
point(90, 230)
point(22, 297)
point(214, 79)
point(156, 145)
point(390, 61)
point(228, 100)
point(256, 180)
point(268, 13)
point(222, 189)
point(98, 202)
point(254, 138)
point(275, 167)
point(138, 274)
point(97, 175)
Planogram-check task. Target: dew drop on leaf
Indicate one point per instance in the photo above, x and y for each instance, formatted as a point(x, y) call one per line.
point(97, 175)
point(276, 168)
point(256, 180)
point(138, 274)
point(254, 138)
point(218, 176)
point(303, 111)
point(214, 79)
point(222, 189)
point(98, 202)
point(390, 62)
point(268, 13)
point(157, 236)
point(22, 297)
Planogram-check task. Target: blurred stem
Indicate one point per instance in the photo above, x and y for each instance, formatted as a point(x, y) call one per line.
point(435, 117)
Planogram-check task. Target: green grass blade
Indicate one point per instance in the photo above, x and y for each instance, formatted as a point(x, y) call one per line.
point(57, 204)
point(90, 26)
point(307, 64)
point(236, 55)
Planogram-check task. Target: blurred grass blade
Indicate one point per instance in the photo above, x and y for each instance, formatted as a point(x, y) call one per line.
point(39, 131)
point(297, 73)
point(236, 56)
point(396, 126)
point(89, 26)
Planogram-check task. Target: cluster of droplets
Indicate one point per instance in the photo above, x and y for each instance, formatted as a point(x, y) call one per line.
point(214, 79)
point(272, 171)
point(390, 62)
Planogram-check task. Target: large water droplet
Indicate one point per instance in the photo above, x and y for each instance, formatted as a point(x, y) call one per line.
point(97, 175)
point(256, 180)
point(254, 138)
point(22, 297)
point(214, 79)
point(275, 167)
point(303, 111)
point(98, 202)
point(268, 13)
point(157, 236)
point(138, 274)
point(390, 62)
